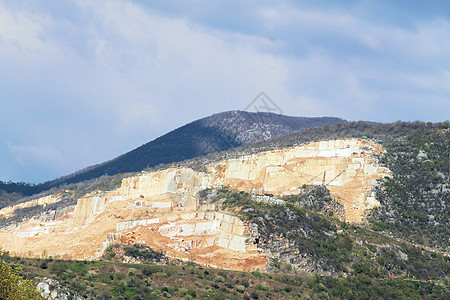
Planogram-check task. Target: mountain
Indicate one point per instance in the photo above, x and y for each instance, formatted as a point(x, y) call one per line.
point(218, 132)
point(343, 211)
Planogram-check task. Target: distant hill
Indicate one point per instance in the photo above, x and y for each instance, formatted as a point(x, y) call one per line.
point(218, 132)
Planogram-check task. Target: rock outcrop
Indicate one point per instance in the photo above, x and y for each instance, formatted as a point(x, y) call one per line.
point(161, 209)
point(9, 210)
point(52, 290)
point(347, 168)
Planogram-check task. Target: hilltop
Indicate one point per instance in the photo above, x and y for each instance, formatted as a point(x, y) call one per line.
point(217, 132)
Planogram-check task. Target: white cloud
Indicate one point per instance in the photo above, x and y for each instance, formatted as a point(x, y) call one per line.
point(137, 114)
point(180, 66)
point(42, 155)
point(429, 39)
point(22, 34)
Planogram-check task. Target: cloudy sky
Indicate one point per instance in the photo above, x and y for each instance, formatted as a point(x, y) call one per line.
point(84, 81)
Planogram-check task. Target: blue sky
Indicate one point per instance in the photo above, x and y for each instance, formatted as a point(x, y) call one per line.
point(82, 82)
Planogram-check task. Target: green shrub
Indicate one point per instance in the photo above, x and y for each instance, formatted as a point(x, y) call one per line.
point(131, 272)
point(257, 274)
point(244, 281)
point(14, 286)
point(261, 287)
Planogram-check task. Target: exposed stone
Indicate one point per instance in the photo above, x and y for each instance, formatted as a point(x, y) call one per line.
point(51, 289)
point(162, 210)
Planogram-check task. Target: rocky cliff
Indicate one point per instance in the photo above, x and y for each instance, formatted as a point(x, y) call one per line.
point(161, 209)
point(348, 168)
point(9, 211)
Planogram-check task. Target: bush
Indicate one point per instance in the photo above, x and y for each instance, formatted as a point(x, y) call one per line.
point(254, 295)
point(131, 272)
point(43, 265)
point(244, 281)
point(13, 286)
point(261, 287)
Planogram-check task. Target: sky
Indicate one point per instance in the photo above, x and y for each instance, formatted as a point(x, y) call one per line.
point(83, 81)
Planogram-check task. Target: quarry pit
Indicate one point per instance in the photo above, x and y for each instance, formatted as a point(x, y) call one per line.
point(162, 210)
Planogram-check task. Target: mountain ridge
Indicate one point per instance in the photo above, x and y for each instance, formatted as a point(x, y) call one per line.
point(218, 132)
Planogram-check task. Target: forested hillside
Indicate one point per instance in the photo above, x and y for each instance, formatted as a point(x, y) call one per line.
point(415, 202)
point(10, 192)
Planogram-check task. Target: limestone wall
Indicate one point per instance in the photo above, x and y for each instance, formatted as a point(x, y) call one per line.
point(231, 233)
point(188, 229)
point(348, 164)
point(277, 170)
point(130, 224)
point(162, 209)
point(182, 181)
point(337, 163)
point(87, 208)
point(8, 211)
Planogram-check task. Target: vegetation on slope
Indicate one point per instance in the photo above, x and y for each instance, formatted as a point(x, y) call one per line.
point(388, 132)
point(178, 280)
point(7, 199)
point(415, 202)
point(13, 285)
point(136, 253)
point(301, 239)
point(22, 188)
point(11, 192)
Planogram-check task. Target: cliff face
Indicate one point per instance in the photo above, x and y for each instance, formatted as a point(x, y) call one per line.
point(9, 210)
point(180, 181)
point(346, 167)
point(162, 210)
